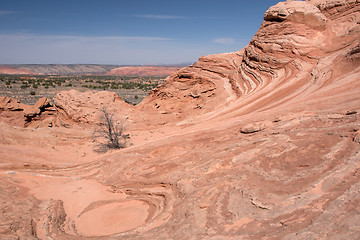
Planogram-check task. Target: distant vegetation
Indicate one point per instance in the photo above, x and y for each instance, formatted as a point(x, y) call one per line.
point(130, 88)
point(95, 82)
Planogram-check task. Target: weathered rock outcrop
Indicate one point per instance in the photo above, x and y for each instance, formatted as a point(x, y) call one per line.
point(199, 88)
point(298, 12)
point(40, 106)
point(85, 107)
point(18, 114)
point(10, 104)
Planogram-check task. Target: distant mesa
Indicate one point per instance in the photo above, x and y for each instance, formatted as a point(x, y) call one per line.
point(10, 70)
point(89, 69)
point(59, 69)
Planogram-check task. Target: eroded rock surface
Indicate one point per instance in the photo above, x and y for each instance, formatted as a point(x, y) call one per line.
point(260, 143)
point(85, 107)
point(18, 114)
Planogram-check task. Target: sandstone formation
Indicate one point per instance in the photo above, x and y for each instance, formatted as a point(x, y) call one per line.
point(10, 104)
point(18, 114)
point(262, 143)
point(85, 107)
point(284, 59)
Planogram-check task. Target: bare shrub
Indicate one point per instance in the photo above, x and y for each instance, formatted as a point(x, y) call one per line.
point(110, 132)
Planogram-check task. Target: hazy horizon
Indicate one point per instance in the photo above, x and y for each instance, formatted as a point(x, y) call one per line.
point(103, 64)
point(135, 32)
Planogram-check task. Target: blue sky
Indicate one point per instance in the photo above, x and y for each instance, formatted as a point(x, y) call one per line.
point(125, 31)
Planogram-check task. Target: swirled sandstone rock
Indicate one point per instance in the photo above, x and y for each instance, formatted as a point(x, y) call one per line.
point(301, 47)
point(260, 143)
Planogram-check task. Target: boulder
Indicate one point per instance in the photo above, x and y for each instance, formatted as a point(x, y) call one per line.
point(37, 108)
point(84, 107)
point(11, 104)
point(297, 11)
point(252, 128)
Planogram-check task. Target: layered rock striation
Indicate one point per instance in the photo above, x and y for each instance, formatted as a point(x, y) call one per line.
point(300, 47)
point(256, 144)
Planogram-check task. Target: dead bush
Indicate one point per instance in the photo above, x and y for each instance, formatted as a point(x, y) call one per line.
point(110, 132)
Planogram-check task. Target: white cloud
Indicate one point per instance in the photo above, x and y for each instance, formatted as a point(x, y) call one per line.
point(225, 41)
point(160, 17)
point(6, 12)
